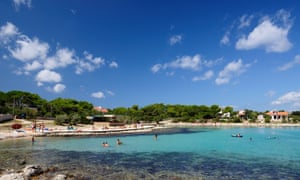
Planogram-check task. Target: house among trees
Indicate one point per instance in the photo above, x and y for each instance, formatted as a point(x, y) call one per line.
point(278, 116)
point(106, 120)
point(242, 114)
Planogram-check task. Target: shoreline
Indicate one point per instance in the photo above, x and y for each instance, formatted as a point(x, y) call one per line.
point(218, 124)
point(88, 131)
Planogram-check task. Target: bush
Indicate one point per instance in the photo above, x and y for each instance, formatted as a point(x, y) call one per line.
point(61, 119)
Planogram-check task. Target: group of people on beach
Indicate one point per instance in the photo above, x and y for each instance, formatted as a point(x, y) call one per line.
point(40, 127)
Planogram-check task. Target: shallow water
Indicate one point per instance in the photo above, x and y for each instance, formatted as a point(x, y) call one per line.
point(183, 153)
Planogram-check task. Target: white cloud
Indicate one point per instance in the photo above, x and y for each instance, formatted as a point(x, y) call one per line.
point(270, 93)
point(18, 3)
point(185, 62)
point(269, 34)
point(194, 63)
point(89, 63)
point(99, 95)
point(58, 88)
point(175, 39)
point(48, 76)
point(225, 40)
point(290, 64)
point(245, 21)
point(155, 68)
point(292, 97)
point(170, 73)
point(113, 64)
point(110, 93)
point(35, 65)
point(28, 49)
point(206, 76)
point(62, 58)
point(232, 69)
point(35, 55)
point(7, 31)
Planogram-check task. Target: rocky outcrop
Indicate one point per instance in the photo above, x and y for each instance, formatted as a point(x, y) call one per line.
point(27, 173)
point(60, 177)
point(32, 170)
point(12, 176)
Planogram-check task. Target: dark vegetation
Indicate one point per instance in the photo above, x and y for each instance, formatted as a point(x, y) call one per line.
point(69, 111)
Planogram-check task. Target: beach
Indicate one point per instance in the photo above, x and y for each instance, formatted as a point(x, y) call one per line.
point(6, 132)
point(50, 129)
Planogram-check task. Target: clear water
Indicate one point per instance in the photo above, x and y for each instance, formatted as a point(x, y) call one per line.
point(184, 153)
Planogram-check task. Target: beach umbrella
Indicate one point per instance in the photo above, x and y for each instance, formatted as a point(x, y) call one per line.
point(16, 126)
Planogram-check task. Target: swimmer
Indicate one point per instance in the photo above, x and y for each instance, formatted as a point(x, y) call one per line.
point(105, 144)
point(119, 142)
point(32, 139)
point(155, 136)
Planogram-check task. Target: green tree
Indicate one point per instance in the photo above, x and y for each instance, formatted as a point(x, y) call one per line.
point(61, 119)
point(75, 119)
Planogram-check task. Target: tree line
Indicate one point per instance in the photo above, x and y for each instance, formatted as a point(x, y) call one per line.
point(70, 111)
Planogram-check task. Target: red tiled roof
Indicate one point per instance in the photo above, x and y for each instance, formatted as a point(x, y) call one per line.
point(280, 113)
point(100, 109)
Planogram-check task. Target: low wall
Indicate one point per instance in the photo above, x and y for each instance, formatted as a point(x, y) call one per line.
point(6, 117)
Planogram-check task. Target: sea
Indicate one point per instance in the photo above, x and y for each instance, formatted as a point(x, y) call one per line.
point(176, 153)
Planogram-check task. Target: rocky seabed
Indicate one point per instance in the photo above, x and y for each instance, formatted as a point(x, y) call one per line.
point(28, 173)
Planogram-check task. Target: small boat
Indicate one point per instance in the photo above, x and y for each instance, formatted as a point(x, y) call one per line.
point(236, 135)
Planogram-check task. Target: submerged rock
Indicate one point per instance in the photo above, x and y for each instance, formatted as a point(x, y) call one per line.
point(60, 177)
point(12, 176)
point(32, 170)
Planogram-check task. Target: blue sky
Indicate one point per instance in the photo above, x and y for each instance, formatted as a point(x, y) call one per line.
point(244, 54)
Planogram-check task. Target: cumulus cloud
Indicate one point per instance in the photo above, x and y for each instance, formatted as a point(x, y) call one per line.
point(155, 68)
point(113, 64)
point(89, 63)
point(35, 55)
point(48, 76)
point(175, 39)
point(58, 88)
point(231, 70)
point(245, 21)
point(225, 39)
point(62, 58)
point(99, 95)
point(270, 34)
point(290, 64)
point(28, 49)
point(209, 74)
point(193, 63)
point(184, 62)
point(292, 98)
point(19, 3)
point(8, 31)
point(32, 66)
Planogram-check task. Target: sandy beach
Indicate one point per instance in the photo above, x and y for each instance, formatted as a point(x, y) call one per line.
point(50, 129)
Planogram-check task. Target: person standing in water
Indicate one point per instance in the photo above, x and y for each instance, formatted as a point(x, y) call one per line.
point(32, 139)
point(155, 136)
point(119, 142)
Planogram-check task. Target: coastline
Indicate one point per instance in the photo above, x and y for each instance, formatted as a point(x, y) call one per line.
point(218, 124)
point(89, 130)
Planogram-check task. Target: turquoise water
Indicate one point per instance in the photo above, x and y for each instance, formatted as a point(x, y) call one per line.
point(183, 153)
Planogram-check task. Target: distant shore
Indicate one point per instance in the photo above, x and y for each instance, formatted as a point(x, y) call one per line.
point(89, 130)
point(218, 124)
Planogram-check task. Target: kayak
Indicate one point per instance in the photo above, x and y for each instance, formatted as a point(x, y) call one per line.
point(236, 135)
